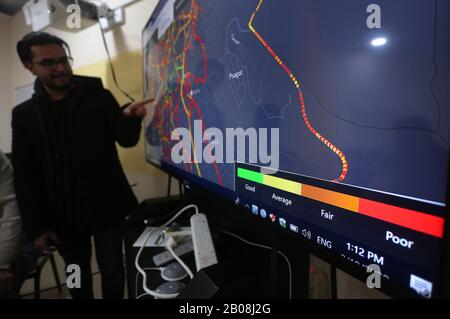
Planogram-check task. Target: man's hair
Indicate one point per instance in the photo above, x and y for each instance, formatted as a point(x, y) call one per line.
point(37, 38)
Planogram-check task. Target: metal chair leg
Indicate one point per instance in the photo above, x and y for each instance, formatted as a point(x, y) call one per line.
point(55, 272)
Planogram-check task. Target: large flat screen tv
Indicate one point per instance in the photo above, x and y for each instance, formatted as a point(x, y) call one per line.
point(328, 118)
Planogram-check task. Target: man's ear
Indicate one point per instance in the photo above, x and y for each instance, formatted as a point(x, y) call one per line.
point(29, 67)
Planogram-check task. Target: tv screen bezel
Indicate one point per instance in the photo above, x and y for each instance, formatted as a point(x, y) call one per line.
point(216, 192)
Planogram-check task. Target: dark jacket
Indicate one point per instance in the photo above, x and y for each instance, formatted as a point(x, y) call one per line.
point(95, 122)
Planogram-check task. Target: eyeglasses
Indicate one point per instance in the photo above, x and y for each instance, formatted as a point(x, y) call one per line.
point(51, 63)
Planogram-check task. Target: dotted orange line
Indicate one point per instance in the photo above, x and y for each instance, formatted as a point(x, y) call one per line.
point(333, 148)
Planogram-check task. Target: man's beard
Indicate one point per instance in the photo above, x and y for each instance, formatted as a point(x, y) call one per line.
point(51, 83)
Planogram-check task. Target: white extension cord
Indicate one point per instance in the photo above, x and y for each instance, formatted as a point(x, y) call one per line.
point(142, 271)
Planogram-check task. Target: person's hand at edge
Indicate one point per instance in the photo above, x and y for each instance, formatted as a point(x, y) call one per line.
point(47, 241)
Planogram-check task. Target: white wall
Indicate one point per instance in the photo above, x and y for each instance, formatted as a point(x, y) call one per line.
point(5, 83)
point(86, 45)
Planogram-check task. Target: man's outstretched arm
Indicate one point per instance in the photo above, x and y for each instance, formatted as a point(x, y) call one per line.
point(127, 120)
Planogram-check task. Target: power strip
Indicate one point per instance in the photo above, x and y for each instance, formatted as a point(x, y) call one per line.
point(204, 252)
point(166, 256)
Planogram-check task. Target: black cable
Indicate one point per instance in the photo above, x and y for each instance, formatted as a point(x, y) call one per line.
point(111, 65)
point(180, 187)
point(273, 270)
point(265, 247)
point(169, 184)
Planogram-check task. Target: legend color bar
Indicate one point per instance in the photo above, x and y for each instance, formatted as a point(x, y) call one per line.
point(418, 221)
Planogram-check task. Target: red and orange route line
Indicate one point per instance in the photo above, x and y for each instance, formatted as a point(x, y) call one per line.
point(333, 148)
point(185, 102)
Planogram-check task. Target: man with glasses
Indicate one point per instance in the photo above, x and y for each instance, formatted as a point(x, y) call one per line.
point(70, 184)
